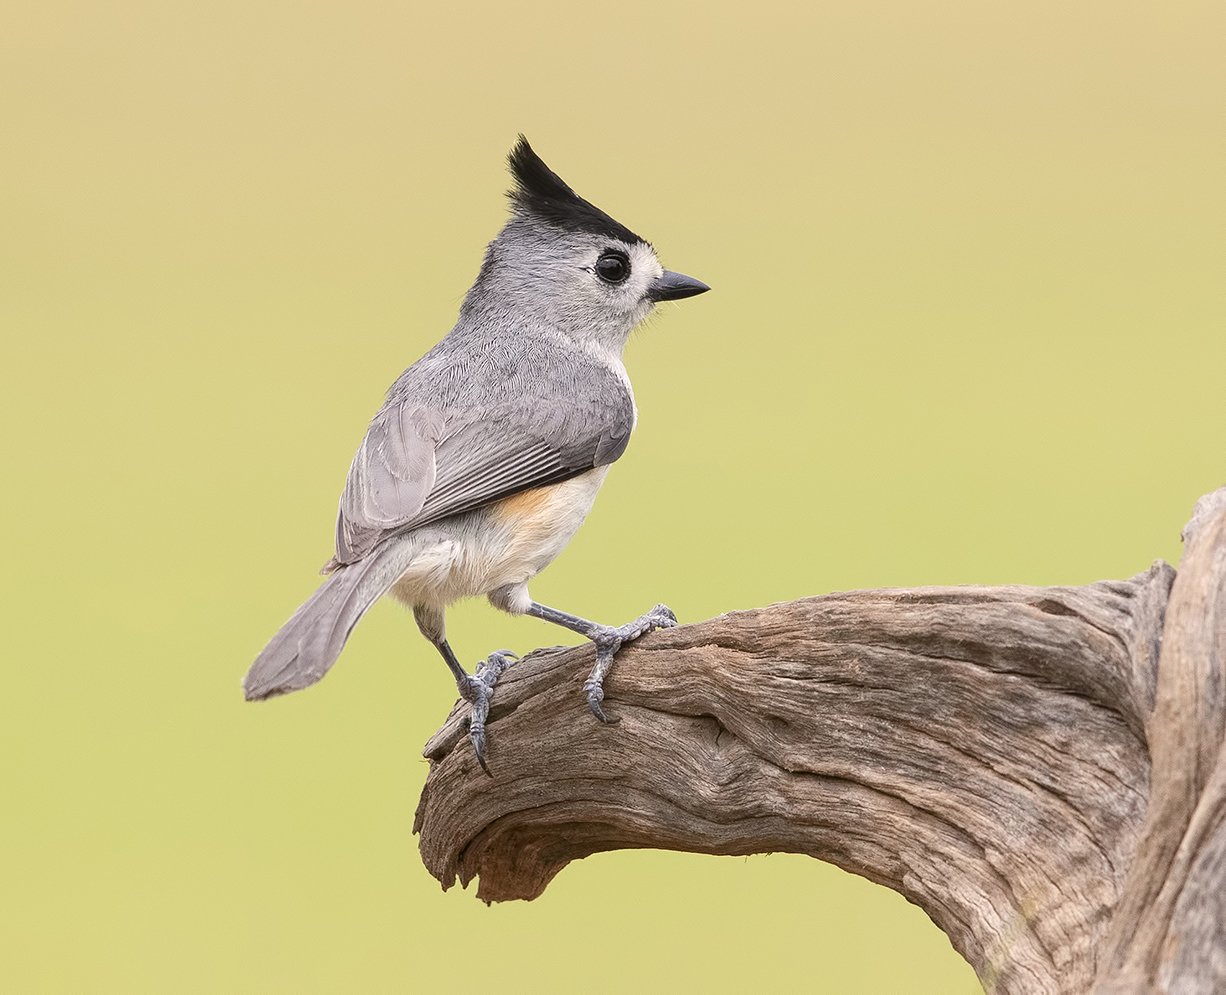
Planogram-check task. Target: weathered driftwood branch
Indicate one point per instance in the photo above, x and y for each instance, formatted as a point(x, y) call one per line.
point(1040, 769)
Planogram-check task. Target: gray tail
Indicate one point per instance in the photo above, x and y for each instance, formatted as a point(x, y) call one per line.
point(309, 643)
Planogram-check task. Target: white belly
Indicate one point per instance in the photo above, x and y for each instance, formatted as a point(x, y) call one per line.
point(509, 542)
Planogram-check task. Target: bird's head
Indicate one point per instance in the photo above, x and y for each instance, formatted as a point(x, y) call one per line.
point(562, 263)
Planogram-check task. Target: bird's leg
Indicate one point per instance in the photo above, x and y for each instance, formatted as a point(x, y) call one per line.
point(477, 689)
point(608, 639)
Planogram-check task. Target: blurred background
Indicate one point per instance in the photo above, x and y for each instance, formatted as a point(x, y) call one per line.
point(966, 327)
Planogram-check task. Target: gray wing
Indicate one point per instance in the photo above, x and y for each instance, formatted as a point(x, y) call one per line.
point(419, 464)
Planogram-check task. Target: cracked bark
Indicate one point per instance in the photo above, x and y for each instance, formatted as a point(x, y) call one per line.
point(1042, 770)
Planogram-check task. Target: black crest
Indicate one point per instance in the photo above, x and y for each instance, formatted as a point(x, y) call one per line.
point(544, 194)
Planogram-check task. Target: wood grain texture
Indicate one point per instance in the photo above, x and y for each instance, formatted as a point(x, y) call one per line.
point(1042, 770)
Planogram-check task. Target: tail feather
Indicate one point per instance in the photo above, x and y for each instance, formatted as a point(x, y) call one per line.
point(305, 648)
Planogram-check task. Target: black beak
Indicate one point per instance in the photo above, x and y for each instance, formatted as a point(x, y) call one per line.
point(675, 286)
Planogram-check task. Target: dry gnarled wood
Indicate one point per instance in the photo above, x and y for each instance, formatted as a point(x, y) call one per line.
point(1040, 769)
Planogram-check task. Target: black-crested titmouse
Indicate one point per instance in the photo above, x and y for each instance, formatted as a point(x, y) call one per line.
point(489, 450)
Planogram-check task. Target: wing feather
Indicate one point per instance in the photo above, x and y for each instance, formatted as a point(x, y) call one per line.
point(418, 464)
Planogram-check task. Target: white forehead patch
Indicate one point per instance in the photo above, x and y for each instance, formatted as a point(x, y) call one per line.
point(643, 260)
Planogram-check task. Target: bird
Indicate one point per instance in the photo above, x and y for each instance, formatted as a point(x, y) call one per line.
point(488, 452)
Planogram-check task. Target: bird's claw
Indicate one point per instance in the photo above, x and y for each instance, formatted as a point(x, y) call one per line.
point(478, 690)
point(661, 617)
point(595, 695)
point(610, 639)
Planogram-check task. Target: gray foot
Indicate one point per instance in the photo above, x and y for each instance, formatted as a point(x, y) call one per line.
point(609, 640)
point(478, 690)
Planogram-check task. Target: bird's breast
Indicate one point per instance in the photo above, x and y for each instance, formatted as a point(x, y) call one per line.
point(509, 541)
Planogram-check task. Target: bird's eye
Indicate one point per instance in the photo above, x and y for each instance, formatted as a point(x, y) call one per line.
point(613, 267)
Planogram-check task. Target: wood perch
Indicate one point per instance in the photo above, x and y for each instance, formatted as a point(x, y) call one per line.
point(1040, 769)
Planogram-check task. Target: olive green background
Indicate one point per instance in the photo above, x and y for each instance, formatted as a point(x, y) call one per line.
point(967, 326)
